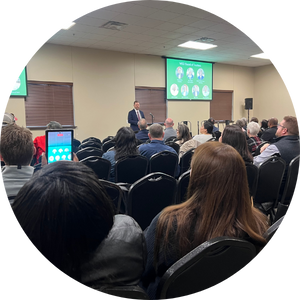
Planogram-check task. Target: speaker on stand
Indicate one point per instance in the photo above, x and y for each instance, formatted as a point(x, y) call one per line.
point(248, 105)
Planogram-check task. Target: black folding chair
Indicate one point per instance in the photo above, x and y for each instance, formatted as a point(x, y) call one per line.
point(272, 229)
point(125, 291)
point(182, 186)
point(149, 195)
point(89, 151)
point(270, 174)
point(99, 165)
point(185, 160)
point(289, 188)
point(90, 143)
point(92, 139)
point(107, 145)
point(131, 168)
point(165, 162)
point(173, 145)
point(252, 176)
point(205, 266)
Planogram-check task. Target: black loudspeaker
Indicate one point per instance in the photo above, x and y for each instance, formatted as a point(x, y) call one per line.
point(248, 103)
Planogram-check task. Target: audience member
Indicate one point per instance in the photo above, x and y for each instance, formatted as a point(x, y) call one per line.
point(212, 210)
point(16, 150)
point(270, 134)
point(185, 140)
point(126, 145)
point(254, 119)
point(8, 119)
point(241, 124)
point(234, 136)
point(205, 132)
point(142, 134)
point(40, 141)
point(286, 144)
point(254, 141)
point(212, 121)
point(156, 135)
point(263, 127)
point(169, 130)
point(67, 214)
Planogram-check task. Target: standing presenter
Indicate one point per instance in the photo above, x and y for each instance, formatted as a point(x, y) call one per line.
point(135, 115)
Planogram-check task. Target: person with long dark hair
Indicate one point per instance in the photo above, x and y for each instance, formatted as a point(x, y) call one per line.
point(126, 145)
point(218, 205)
point(66, 213)
point(234, 136)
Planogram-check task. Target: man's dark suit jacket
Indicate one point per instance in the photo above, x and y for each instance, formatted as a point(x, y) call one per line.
point(133, 119)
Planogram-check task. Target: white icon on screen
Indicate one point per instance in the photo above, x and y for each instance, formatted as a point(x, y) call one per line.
point(60, 150)
point(51, 158)
point(57, 157)
point(66, 150)
point(64, 157)
point(69, 156)
point(54, 151)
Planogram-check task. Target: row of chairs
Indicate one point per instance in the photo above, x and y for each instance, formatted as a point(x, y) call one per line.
point(265, 183)
point(165, 162)
point(205, 266)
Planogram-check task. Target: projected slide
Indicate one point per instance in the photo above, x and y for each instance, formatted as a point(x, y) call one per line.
point(188, 80)
point(20, 87)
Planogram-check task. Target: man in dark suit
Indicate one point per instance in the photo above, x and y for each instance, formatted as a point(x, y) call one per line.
point(135, 115)
point(142, 135)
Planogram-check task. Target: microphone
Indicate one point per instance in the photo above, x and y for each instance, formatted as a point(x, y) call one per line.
point(151, 115)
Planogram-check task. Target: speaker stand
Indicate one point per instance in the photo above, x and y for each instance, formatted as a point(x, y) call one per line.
point(248, 115)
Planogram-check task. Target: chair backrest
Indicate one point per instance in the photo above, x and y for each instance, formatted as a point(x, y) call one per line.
point(291, 180)
point(149, 195)
point(170, 139)
point(182, 186)
point(89, 151)
point(91, 138)
point(91, 143)
point(174, 145)
point(129, 292)
point(272, 229)
point(185, 160)
point(131, 168)
point(252, 176)
point(108, 144)
point(165, 162)
point(114, 192)
point(110, 137)
point(99, 165)
point(205, 266)
point(270, 174)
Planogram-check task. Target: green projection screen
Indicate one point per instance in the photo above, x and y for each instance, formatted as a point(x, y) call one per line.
point(188, 80)
point(20, 87)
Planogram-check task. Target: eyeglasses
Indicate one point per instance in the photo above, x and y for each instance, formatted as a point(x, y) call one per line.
point(282, 127)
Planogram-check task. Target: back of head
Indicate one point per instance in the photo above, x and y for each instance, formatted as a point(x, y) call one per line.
point(253, 128)
point(16, 146)
point(291, 124)
point(240, 123)
point(211, 120)
point(142, 123)
point(273, 122)
point(254, 119)
point(126, 142)
point(54, 125)
point(234, 136)
point(169, 123)
point(183, 132)
point(156, 131)
point(264, 123)
point(208, 126)
point(65, 212)
point(8, 119)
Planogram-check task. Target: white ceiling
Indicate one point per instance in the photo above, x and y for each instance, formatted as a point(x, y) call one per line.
point(157, 28)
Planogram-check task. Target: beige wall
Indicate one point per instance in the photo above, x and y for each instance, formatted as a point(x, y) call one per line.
point(104, 84)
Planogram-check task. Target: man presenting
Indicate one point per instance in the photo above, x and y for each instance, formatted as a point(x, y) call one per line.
point(135, 115)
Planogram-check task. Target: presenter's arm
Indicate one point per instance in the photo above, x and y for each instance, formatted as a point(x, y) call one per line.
point(131, 118)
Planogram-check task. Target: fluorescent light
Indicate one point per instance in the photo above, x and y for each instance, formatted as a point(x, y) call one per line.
point(197, 45)
point(68, 26)
point(260, 55)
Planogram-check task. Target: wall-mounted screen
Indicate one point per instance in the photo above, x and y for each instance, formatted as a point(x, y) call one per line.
point(20, 87)
point(188, 79)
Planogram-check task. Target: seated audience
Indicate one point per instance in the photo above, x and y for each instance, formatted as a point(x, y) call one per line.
point(40, 141)
point(254, 141)
point(263, 127)
point(156, 135)
point(126, 145)
point(8, 119)
point(254, 119)
point(234, 136)
point(185, 140)
point(142, 134)
point(16, 150)
point(169, 130)
point(286, 144)
point(66, 213)
point(205, 132)
point(270, 134)
point(212, 121)
point(212, 210)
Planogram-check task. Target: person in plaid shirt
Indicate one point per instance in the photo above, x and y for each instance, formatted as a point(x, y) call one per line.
point(254, 141)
